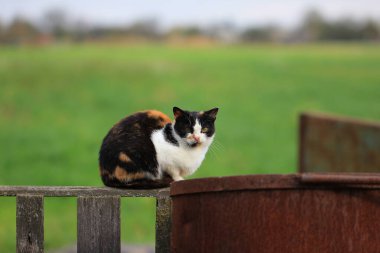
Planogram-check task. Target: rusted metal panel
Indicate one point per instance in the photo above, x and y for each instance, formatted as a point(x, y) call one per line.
point(30, 224)
point(295, 218)
point(337, 144)
point(274, 182)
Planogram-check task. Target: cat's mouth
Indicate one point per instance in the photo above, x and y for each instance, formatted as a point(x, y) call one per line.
point(194, 144)
point(193, 141)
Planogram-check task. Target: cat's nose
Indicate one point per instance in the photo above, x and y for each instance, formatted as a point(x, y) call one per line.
point(196, 138)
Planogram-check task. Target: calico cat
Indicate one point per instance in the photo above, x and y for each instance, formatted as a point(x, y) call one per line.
point(147, 150)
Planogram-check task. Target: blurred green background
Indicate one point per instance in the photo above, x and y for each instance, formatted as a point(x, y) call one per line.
point(62, 89)
point(58, 102)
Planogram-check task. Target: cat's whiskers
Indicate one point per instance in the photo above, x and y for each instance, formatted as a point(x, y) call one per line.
point(213, 151)
point(215, 148)
point(217, 145)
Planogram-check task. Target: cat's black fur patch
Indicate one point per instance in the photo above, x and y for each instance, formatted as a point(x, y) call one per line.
point(168, 133)
point(207, 120)
point(131, 136)
point(184, 124)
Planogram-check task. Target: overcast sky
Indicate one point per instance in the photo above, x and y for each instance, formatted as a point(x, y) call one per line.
point(286, 13)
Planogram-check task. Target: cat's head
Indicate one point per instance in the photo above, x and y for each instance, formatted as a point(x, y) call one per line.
point(195, 128)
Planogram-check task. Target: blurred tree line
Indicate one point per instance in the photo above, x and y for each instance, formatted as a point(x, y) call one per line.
point(56, 26)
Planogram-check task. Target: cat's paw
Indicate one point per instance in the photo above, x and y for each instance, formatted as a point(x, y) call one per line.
point(178, 178)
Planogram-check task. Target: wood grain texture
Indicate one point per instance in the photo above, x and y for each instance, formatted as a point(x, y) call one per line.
point(163, 224)
point(30, 224)
point(98, 225)
point(73, 191)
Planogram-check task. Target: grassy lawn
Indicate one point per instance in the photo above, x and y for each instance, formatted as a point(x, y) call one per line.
point(57, 103)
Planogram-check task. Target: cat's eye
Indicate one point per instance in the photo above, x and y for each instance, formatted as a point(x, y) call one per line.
point(204, 130)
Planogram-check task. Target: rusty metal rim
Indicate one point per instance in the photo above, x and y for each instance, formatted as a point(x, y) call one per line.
point(350, 178)
point(336, 118)
point(276, 182)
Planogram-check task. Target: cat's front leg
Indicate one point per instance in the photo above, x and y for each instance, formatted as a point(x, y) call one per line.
point(175, 174)
point(178, 178)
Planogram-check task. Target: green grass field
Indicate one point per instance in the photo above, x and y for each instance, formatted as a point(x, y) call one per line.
point(57, 103)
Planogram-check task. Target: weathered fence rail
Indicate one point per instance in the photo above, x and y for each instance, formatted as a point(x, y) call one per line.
point(98, 214)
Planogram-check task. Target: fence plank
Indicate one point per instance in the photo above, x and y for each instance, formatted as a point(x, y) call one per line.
point(163, 224)
point(30, 224)
point(98, 224)
point(73, 191)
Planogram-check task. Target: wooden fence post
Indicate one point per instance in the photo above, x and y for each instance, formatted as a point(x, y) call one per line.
point(98, 224)
point(30, 223)
point(163, 223)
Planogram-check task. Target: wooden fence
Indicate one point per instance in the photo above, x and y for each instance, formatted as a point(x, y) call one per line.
point(98, 214)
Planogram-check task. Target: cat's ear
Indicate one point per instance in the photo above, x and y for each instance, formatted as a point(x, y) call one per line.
point(177, 112)
point(212, 113)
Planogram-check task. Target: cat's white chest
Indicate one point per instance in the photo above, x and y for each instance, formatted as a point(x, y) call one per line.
point(177, 160)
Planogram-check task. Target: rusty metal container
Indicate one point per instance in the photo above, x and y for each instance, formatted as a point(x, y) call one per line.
point(330, 213)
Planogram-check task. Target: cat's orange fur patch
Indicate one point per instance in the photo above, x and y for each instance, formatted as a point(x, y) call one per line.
point(124, 158)
point(163, 118)
point(122, 175)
